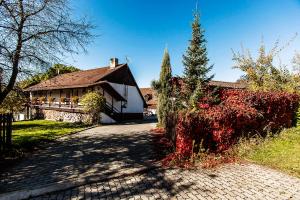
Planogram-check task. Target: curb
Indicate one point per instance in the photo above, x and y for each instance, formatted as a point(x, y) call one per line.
point(75, 132)
point(64, 185)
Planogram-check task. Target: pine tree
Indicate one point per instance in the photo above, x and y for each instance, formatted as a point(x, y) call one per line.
point(164, 89)
point(195, 61)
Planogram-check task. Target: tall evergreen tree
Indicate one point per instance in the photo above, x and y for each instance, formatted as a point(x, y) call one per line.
point(163, 88)
point(195, 61)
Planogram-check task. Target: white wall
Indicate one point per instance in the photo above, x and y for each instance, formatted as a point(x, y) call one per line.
point(135, 102)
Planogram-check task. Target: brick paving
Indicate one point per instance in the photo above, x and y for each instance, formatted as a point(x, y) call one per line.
point(116, 152)
point(232, 181)
point(105, 151)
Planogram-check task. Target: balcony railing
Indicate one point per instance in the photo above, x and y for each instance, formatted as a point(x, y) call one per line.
point(69, 106)
point(57, 104)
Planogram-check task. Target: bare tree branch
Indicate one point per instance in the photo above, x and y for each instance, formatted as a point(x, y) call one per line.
point(38, 10)
point(10, 11)
point(34, 34)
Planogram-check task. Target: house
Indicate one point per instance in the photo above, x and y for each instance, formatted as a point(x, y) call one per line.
point(151, 100)
point(151, 97)
point(178, 82)
point(59, 98)
point(228, 85)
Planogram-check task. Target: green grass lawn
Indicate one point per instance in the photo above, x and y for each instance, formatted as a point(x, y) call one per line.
point(280, 152)
point(28, 134)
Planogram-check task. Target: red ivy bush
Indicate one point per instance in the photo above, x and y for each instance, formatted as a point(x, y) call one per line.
point(217, 126)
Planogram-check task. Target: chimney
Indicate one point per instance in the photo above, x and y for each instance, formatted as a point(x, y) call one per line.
point(113, 63)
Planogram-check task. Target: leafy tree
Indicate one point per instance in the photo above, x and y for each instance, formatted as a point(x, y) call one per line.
point(262, 74)
point(93, 104)
point(163, 88)
point(53, 71)
point(58, 69)
point(34, 34)
point(195, 61)
point(296, 63)
point(14, 102)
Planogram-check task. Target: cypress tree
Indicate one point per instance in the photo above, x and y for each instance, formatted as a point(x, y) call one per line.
point(164, 89)
point(195, 63)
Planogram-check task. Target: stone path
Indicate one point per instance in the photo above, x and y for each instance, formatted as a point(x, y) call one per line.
point(116, 161)
point(101, 152)
point(228, 182)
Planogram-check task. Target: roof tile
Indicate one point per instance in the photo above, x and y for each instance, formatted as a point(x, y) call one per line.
point(82, 78)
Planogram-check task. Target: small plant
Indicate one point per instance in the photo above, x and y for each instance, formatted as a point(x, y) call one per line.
point(62, 99)
point(34, 100)
point(42, 99)
point(75, 100)
point(51, 100)
point(296, 120)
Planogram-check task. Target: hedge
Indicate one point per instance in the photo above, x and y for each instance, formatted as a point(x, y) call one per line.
point(239, 113)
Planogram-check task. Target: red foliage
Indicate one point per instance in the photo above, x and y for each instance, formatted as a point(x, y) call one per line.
point(203, 105)
point(176, 160)
point(161, 145)
point(240, 112)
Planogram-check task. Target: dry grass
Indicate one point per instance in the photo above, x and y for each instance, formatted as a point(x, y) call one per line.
point(280, 152)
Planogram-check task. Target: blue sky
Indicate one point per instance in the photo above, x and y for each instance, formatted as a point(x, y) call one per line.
point(140, 30)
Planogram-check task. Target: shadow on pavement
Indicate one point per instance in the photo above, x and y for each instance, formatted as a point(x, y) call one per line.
point(108, 156)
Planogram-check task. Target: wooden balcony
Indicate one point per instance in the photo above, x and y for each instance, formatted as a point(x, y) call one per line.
point(67, 105)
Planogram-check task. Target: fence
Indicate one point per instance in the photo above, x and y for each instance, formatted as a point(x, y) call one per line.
point(5, 131)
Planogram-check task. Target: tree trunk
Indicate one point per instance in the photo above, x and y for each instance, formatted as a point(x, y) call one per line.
point(16, 57)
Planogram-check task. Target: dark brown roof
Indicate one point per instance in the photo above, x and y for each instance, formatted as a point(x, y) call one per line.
point(152, 102)
point(223, 84)
point(77, 79)
point(147, 91)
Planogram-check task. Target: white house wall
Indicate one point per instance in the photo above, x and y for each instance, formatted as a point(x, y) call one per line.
point(108, 97)
point(135, 103)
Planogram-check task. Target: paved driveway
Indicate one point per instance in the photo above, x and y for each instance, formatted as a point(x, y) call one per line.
point(116, 161)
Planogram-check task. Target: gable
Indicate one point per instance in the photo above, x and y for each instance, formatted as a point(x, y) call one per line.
point(124, 76)
point(121, 76)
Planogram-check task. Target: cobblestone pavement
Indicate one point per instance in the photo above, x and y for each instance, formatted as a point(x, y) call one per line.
point(233, 181)
point(104, 151)
point(111, 150)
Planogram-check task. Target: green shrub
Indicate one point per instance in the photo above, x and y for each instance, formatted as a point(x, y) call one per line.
point(297, 118)
point(93, 104)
